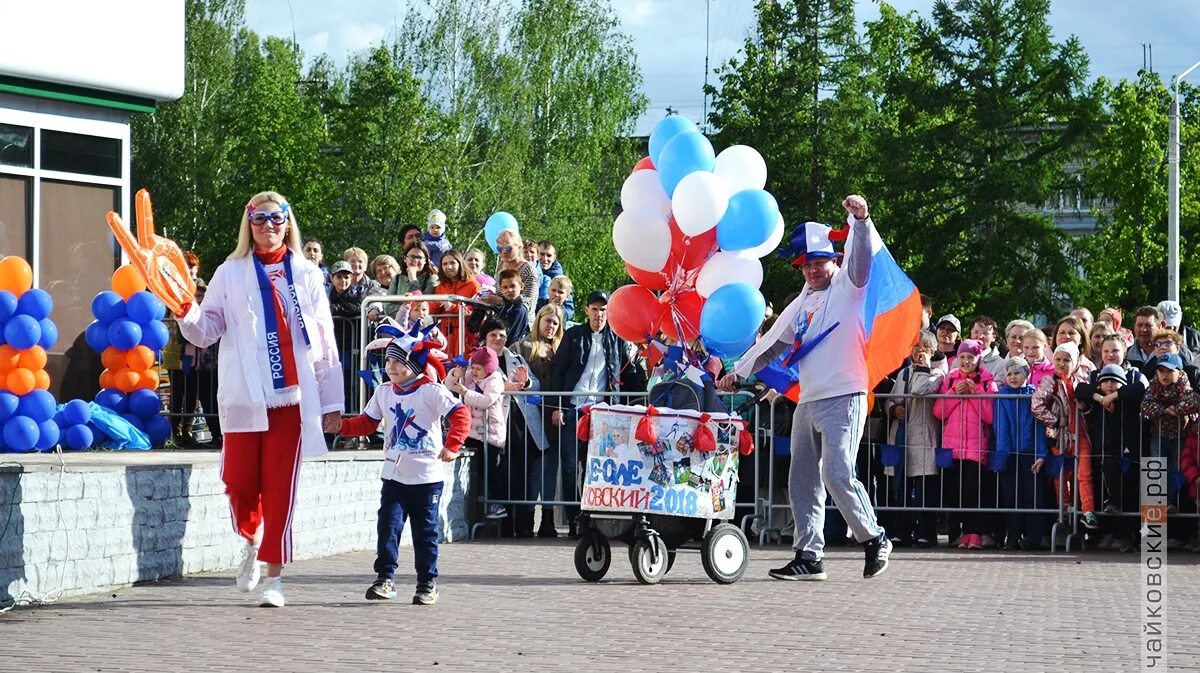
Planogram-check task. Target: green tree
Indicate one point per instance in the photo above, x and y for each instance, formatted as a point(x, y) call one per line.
point(797, 94)
point(988, 112)
point(1125, 260)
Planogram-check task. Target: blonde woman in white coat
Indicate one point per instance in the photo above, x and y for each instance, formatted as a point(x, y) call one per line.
point(280, 380)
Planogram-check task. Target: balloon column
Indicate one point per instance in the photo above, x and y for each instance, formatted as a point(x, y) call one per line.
point(26, 331)
point(694, 227)
point(129, 334)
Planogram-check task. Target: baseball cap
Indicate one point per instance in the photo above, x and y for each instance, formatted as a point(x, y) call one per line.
point(1170, 361)
point(1112, 373)
point(1172, 313)
point(597, 296)
point(339, 266)
point(950, 318)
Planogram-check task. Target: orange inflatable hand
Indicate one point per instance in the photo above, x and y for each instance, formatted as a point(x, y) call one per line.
point(159, 261)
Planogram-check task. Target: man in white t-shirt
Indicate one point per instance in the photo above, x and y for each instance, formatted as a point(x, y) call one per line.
point(828, 422)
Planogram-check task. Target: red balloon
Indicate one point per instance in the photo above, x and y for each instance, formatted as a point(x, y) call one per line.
point(683, 308)
point(691, 252)
point(643, 164)
point(634, 313)
point(651, 280)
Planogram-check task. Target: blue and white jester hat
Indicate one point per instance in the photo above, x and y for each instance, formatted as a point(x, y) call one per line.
point(815, 240)
point(411, 348)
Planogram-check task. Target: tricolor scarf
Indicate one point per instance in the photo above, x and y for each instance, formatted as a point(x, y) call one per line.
point(281, 358)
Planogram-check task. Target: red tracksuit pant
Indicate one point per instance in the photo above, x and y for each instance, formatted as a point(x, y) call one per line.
point(261, 471)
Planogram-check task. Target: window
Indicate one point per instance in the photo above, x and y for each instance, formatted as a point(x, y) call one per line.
point(77, 258)
point(16, 146)
point(77, 153)
point(14, 216)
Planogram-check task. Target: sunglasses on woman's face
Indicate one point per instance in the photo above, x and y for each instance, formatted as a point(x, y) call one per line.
point(260, 218)
point(504, 248)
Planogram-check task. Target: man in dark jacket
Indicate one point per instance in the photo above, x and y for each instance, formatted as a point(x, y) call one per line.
point(590, 358)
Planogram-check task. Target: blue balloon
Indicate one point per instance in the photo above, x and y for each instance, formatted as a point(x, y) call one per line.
point(111, 398)
point(732, 313)
point(36, 304)
point(96, 336)
point(664, 131)
point(38, 405)
point(749, 221)
point(497, 223)
point(8, 405)
point(76, 412)
point(144, 403)
point(22, 332)
point(731, 349)
point(8, 305)
point(125, 334)
point(686, 153)
point(20, 433)
point(108, 306)
point(48, 434)
point(155, 335)
point(143, 307)
point(78, 437)
point(134, 421)
point(49, 333)
point(158, 429)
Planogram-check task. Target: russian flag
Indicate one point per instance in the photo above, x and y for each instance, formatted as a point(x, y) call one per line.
point(891, 316)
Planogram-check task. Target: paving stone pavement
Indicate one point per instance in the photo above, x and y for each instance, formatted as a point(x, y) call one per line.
point(519, 606)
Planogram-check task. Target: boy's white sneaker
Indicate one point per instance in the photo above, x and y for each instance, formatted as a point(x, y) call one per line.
point(272, 596)
point(250, 571)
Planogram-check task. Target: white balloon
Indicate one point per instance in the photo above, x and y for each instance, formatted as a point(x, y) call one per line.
point(768, 246)
point(727, 267)
point(643, 190)
point(642, 238)
point(741, 167)
point(700, 201)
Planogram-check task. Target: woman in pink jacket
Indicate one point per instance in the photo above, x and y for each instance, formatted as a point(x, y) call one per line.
point(966, 431)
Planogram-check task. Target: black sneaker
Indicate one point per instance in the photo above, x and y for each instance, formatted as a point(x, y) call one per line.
point(877, 556)
point(496, 512)
point(427, 594)
point(801, 569)
point(548, 533)
point(381, 590)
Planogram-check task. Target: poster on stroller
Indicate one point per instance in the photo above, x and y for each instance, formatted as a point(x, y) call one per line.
point(623, 474)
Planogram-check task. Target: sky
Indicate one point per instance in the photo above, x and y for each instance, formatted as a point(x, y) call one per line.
point(670, 36)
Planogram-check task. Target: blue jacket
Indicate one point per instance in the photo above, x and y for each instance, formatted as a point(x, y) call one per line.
point(1016, 429)
point(438, 246)
point(554, 271)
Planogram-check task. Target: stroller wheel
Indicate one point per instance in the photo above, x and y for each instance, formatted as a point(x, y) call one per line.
point(592, 556)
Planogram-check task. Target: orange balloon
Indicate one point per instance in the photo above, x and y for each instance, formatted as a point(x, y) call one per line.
point(126, 281)
point(15, 275)
point(20, 381)
point(113, 358)
point(140, 358)
point(9, 357)
point(41, 380)
point(126, 380)
point(148, 379)
point(106, 379)
point(32, 359)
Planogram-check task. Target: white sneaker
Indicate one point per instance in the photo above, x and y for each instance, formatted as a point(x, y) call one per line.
point(272, 596)
point(250, 571)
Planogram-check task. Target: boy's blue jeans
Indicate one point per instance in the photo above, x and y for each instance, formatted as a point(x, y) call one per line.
point(418, 503)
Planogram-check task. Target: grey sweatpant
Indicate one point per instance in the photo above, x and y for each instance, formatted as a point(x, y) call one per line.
point(825, 436)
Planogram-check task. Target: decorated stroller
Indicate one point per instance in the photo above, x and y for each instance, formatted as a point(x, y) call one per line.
point(658, 478)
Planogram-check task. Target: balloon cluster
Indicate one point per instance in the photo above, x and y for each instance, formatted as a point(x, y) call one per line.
point(26, 331)
point(129, 334)
point(694, 227)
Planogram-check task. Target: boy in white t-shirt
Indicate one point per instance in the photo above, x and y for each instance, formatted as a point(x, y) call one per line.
point(411, 407)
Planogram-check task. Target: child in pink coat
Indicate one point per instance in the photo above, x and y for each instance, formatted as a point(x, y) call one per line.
point(966, 431)
point(482, 390)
